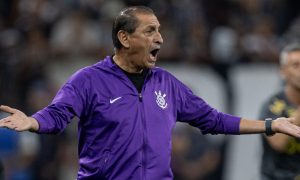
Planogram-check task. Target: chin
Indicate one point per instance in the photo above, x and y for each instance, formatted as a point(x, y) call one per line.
point(150, 65)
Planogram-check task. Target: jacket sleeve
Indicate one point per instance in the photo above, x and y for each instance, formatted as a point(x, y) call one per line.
point(195, 111)
point(68, 102)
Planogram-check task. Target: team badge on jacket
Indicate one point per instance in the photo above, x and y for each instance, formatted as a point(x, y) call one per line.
point(160, 100)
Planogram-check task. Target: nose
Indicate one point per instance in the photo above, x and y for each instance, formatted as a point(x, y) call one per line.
point(158, 38)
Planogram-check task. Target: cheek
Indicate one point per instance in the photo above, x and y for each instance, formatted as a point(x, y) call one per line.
point(293, 78)
point(139, 47)
point(290, 76)
point(295, 73)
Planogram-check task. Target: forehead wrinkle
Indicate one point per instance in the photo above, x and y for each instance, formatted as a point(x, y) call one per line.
point(150, 16)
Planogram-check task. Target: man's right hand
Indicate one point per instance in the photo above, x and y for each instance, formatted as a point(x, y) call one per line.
point(18, 120)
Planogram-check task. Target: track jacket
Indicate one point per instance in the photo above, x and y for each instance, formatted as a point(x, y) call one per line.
point(123, 134)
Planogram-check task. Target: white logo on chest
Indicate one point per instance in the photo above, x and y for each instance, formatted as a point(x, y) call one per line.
point(111, 101)
point(160, 100)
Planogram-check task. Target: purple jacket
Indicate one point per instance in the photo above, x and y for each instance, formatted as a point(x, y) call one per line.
point(124, 134)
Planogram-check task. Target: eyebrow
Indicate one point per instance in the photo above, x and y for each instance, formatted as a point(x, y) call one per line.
point(152, 26)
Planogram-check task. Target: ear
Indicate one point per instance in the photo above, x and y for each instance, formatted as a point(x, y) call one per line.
point(123, 38)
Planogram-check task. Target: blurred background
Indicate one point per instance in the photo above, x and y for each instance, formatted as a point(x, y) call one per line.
point(227, 51)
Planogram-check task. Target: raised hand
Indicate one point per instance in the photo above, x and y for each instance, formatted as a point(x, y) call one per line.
point(286, 126)
point(18, 120)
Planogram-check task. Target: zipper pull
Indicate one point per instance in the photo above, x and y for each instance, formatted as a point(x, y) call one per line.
point(140, 97)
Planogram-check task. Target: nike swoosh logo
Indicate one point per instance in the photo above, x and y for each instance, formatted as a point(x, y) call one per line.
point(114, 100)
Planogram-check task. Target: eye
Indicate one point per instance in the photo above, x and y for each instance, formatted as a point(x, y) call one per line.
point(296, 65)
point(150, 30)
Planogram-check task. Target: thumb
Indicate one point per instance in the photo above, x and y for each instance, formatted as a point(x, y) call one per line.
point(8, 109)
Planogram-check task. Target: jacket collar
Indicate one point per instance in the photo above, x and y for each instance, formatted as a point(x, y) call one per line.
point(109, 65)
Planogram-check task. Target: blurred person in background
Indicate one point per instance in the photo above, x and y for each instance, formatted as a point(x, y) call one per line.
point(195, 156)
point(127, 108)
point(281, 153)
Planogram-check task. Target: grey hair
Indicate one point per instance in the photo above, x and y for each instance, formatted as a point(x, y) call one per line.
point(287, 49)
point(126, 20)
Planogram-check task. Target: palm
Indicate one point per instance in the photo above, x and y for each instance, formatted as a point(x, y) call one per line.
point(286, 126)
point(17, 120)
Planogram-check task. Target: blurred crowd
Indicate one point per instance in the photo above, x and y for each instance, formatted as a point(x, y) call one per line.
point(43, 41)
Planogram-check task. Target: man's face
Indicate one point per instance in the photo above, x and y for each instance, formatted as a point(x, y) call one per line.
point(145, 42)
point(291, 70)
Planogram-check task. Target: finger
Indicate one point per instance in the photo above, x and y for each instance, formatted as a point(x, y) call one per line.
point(7, 125)
point(10, 126)
point(291, 119)
point(4, 121)
point(8, 109)
point(293, 126)
point(18, 129)
point(297, 134)
point(294, 130)
point(2, 124)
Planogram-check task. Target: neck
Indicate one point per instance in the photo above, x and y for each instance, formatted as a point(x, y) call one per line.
point(126, 63)
point(293, 95)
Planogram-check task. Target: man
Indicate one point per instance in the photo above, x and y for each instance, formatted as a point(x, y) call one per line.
point(281, 156)
point(127, 108)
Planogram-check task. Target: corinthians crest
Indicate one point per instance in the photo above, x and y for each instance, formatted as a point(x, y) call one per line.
point(160, 100)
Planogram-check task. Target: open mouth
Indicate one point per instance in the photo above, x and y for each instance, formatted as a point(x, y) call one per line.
point(154, 52)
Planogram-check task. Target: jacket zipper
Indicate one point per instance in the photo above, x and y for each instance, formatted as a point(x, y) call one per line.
point(144, 149)
point(144, 130)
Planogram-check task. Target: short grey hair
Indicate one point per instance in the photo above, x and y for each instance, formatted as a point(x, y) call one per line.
point(287, 49)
